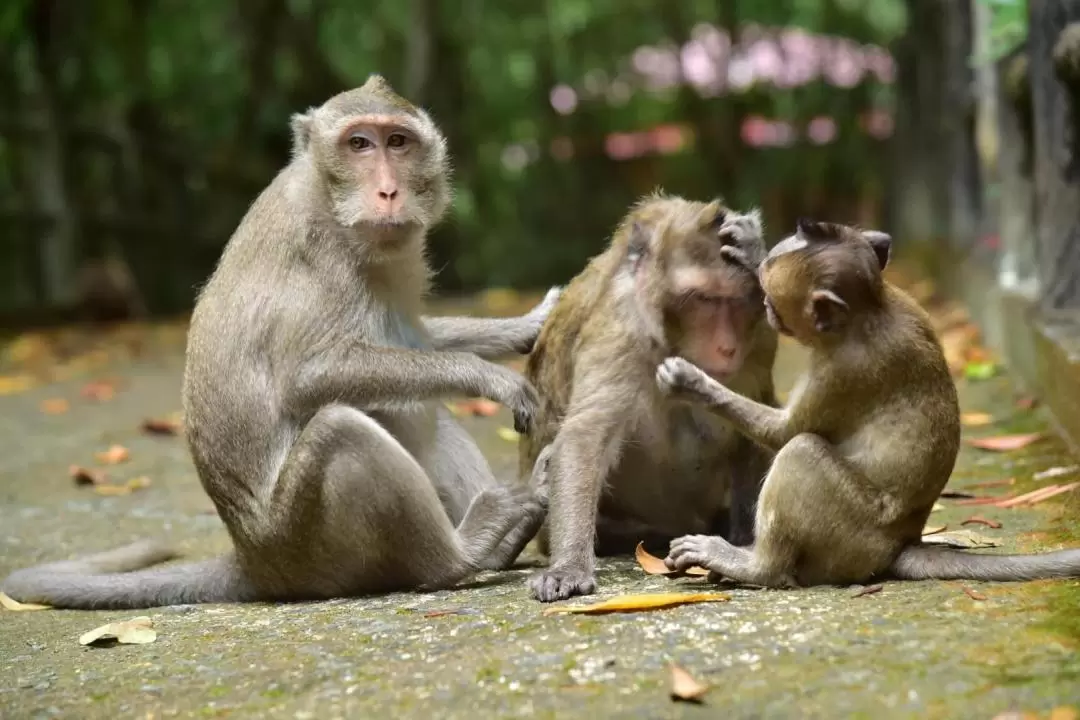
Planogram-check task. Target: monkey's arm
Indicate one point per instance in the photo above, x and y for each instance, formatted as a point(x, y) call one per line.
point(491, 337)
point(766, 426)
point(486, 337)
point(363, 375)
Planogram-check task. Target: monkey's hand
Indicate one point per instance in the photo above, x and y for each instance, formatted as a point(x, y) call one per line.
point(679, 377)
point(742, 237)
point(555, 584)
point(536, 318)
point(515, 392)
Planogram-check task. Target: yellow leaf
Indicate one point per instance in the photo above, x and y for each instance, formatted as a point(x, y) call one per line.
point(11, 384)
point(112, 490)
point(137, 631)
point(653, 565)
point(684, 686)
point(508, 434)
point(1064, 712)
point(937, 506)
point(976, 419)
point(928, 530)
point(633, 603)
point(16, 606)
point(54, 406)
point(138, 483)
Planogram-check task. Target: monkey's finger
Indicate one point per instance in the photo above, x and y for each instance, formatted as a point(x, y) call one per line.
point(522, 422)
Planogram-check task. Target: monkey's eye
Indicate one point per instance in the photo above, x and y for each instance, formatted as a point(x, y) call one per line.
point(396, 140)
point(359, 142)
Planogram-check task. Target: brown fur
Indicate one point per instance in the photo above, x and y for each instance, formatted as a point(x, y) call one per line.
point(666, 468)
point(865, 444)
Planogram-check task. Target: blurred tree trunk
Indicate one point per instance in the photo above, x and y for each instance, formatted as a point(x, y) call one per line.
point(45, 168)
point(935, 195)
point(1056, 105)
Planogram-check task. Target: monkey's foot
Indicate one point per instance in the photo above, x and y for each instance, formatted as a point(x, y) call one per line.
point(552, 585)
point(722, 558)
point(676, 376)
point(533, 506)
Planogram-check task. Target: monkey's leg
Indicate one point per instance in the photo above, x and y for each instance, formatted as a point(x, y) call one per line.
point(460, 473)
point(766, 426)
point(814, 524)
point(364, 516)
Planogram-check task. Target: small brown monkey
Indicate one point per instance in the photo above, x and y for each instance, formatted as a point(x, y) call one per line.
point(678, 277)
point(312, 384)
point(867, 441)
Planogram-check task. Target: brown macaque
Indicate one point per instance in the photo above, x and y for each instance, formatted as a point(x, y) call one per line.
point(625, 464)
point(312, 390)
point(107, 291)
point(867, 441)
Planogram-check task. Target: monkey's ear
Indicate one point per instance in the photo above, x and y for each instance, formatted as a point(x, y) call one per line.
point(376, 81)
point(301, 131)
point(829, 310)
point(714, 214)
point(637, 245)
point(882, 244)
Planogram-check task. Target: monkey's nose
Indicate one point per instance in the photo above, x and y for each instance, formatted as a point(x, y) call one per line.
point(386, 199)
point(727, 353)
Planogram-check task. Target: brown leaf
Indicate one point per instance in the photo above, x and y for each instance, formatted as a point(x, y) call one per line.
point(161, 426)
point(974, 594)
point(86, 476)
point(100, 390)
point(653, 565)
point(976, 419)
point(1004, 443)
point(55, 406)
point(634, 603)
point(868, 590)
point(115, 455)
point(685, 687)
point(136, 631)
point(9, 603)
point(980, 520)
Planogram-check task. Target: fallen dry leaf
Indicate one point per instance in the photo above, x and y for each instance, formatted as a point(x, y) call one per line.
point(1064, 712)
point(976, 419)
point(868, 590)
point(980, 520)
point(634, 603)
point(115, 455)
point(964, 539)
point(937, 506)
point(55, 406)
point(100, 390)
point(684, 686)
point(9, 603)
point(653, 565)
point(1055, 472)
point(1004, 443)
point(1026, 403)
point(508, 434)
point(136, 631)
point(86, 476)
point(111, 490)
point(933, 530)
point(478, 407)
point(974, 594)
point(160, 426)
point(991, 500)
point(138, 483)
point(1037, 496)
point(12, 384)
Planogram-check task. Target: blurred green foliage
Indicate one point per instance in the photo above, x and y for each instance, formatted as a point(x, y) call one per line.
point(145, 128)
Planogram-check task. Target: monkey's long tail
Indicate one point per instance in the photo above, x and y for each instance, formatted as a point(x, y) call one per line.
point(116, 580)
point(922, 562)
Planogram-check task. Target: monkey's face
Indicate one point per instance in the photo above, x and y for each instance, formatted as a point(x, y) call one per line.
point(383, 161)
point(817, 280)
point(711, 301)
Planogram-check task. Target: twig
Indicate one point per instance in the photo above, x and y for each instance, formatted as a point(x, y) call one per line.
point(979, 520)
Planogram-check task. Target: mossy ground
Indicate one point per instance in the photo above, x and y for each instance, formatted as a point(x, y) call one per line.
point(922, 649)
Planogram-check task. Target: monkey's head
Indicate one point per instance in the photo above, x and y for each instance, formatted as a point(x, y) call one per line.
point(817, 280)
point(694, 270)
point(380, 161)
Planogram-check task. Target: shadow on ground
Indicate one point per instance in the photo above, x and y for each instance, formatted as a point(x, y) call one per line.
point(914, 649)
